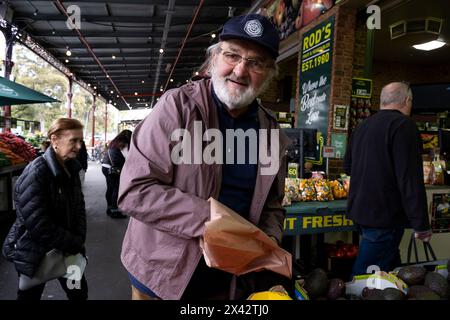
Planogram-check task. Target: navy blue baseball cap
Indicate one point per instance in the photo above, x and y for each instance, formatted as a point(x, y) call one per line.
point(255, 28)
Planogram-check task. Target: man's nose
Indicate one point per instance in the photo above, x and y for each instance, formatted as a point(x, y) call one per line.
point(241, 69)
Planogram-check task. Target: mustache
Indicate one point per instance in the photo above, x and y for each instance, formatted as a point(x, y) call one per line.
point(244, 81)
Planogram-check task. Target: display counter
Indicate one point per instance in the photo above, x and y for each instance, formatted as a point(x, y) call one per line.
point(8, 175)
point(317, 217)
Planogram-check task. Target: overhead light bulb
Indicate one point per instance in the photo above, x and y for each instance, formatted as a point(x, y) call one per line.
point(67, 60)
point(112, 91)
point(113, 56)
point(142, 81)
point(135, 93)
point(161, 50)
point(171, 80)
point(68, 52)
point(213, 35)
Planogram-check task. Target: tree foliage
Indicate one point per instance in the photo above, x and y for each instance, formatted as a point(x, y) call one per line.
point(32, 71)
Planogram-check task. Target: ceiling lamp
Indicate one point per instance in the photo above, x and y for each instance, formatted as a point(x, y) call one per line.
point(428, 46)
point(161, 50)
point(213, 35)
point(113, 56)
point(68, 52)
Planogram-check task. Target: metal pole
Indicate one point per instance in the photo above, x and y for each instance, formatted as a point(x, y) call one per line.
point(93, 122)
point(8, 68)
point(69, 98)
point(106, 121)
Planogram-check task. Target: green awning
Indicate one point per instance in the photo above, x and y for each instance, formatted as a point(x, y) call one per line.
point(13, 93)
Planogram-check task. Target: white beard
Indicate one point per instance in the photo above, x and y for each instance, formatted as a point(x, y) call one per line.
point(233, 99)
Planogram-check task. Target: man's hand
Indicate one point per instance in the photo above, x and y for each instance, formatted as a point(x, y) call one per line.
point(425, 236)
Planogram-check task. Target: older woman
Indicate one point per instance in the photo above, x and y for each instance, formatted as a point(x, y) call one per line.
point(50, 209)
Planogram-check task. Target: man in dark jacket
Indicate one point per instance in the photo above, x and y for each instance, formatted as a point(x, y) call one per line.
point(387, 190)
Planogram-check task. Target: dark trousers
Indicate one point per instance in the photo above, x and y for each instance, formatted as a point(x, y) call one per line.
point(35, 293)
point(112, 188)
point(380, 248)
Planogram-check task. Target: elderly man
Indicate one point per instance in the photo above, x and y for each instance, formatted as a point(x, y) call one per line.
point(165, 188)
point(387, 190)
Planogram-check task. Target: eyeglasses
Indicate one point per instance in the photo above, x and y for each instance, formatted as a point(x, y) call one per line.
point(254, 65)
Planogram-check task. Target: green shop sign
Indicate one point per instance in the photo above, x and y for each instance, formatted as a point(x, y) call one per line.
point(315, 77)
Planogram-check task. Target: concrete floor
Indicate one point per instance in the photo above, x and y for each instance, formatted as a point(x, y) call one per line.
point(107, 279)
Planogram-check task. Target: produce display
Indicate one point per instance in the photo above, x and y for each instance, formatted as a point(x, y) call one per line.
point(14, 150)
point(17, 146)
point(4, 161)
point(36, 139)
point(9, 155)
point(408, 283)
point(313, 190)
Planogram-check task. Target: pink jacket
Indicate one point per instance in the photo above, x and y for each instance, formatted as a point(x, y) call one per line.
point(168, 203)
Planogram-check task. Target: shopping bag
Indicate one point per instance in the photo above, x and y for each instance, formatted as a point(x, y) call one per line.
point(233, 244)
point(426, 247)
point(51, 267)
point(55, 265)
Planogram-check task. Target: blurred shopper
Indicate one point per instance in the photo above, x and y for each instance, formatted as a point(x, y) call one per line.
point(50, 209)
point(168, 201)
point(82, 158)
point(112, 163)
point(44, 146)
point(387, 191)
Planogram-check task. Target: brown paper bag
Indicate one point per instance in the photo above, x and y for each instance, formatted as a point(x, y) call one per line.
point(233, 244)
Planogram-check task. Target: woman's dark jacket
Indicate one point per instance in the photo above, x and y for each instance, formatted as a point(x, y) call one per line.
point(50, 213)
point(115, 158)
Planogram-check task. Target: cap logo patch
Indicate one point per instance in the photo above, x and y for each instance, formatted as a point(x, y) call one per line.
point(254, 28)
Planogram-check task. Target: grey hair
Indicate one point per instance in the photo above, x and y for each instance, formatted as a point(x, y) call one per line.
point(395, 95)
point(214, 49)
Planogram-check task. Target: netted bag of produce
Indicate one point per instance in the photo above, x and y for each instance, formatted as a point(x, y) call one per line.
point(323, 190)
point(338, 189)
point(286, 200)
point(291, 189)
point(307, 190)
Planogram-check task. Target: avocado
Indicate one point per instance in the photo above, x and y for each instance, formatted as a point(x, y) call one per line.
point(427, 296)
point(336, 289)
point(412, 275)
point(437, 283)
point(374, 294)
point(393, 294)
point(420, 290)
point(316, 283)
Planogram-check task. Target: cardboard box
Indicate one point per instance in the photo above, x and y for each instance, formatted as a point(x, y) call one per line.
point(378, 280)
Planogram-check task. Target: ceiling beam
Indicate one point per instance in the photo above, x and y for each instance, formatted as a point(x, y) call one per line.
point(211, 3)
point(119, 19)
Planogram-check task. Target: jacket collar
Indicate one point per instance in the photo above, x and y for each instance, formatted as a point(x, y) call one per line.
point(56, 169)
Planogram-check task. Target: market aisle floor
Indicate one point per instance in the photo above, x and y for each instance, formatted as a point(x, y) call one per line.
point(107, 279)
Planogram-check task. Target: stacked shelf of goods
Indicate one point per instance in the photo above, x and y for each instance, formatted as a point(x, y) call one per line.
point(285, 119)
point(14, 150)
point(315, 189)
